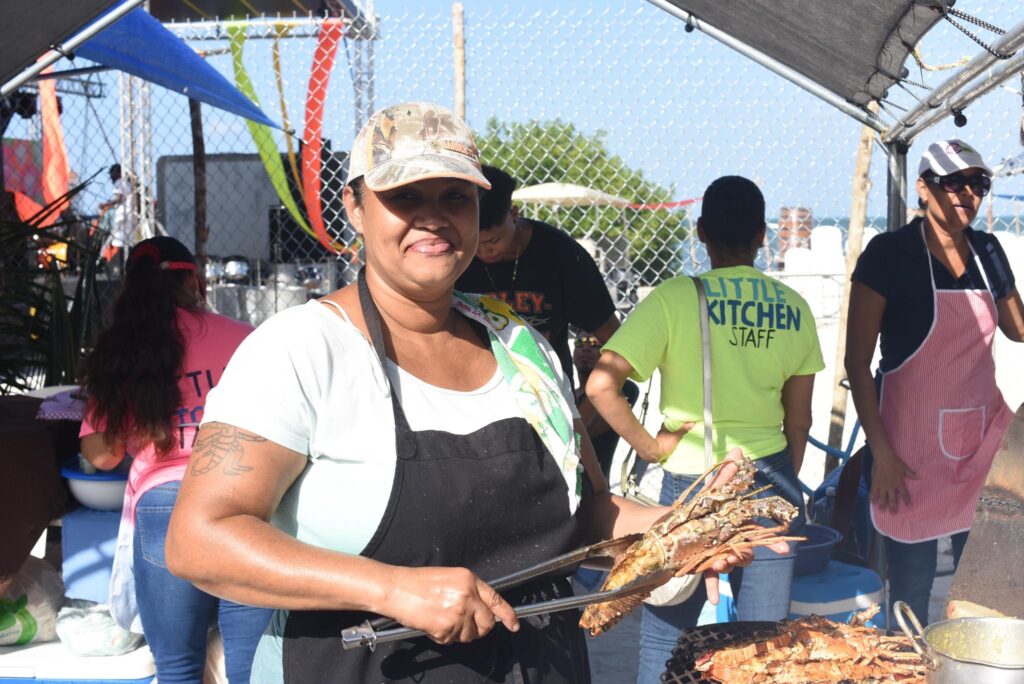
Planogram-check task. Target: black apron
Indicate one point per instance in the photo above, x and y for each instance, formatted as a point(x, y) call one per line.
point(494, 501)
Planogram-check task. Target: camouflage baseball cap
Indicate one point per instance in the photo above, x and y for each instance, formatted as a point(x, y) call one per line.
point(414, 141)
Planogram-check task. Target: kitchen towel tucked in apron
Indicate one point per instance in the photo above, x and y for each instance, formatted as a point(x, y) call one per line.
point(944, 416)
point(494, 501)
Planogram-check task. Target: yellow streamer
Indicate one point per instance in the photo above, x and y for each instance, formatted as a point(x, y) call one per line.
point(268, 151)
point(280, 30)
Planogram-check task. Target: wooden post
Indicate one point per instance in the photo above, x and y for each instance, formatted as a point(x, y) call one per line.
point(459, 41)
point(854, 240)
point(202, 231)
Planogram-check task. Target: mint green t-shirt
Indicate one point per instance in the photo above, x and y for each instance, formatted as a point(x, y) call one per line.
point(762, 334)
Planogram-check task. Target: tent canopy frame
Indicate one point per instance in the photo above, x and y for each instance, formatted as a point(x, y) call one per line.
point(950, 98)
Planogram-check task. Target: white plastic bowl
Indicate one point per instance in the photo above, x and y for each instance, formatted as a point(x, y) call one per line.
point(102, 490)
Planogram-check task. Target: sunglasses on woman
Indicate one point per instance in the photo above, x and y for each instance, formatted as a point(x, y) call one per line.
point(587, 341)
point(956, 182)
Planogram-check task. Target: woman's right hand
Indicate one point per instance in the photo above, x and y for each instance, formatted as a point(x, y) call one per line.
point(889, 477)
point(452, 605)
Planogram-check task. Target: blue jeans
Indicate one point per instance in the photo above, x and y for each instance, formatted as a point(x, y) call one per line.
point(761, 590)
point(176, 615)
point(911, 571)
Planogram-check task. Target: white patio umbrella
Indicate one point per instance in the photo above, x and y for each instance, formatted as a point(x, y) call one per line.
point(567, 195)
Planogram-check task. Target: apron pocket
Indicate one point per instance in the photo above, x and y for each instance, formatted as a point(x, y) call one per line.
point(961, 431)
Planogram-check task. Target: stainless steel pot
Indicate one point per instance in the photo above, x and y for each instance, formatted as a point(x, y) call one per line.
point(236, 269)
point(972, 650)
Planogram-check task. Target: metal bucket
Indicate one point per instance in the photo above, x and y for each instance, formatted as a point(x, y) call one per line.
point(974, 650)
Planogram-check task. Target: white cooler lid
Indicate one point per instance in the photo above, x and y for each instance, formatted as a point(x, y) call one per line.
point(52, 660)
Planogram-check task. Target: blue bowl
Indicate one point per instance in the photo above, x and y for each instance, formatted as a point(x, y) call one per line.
point(102, 490)
point(812, 555)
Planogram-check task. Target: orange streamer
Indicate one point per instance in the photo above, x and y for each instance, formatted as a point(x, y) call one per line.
point(55, 154)
point(331, 34)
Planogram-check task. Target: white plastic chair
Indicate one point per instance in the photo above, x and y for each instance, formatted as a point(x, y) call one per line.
point(799, 260)
point(827, 249)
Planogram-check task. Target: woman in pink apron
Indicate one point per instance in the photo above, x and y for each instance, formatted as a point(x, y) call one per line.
point(935, 291)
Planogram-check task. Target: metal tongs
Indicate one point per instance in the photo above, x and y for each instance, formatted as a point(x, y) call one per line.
point(600, 555)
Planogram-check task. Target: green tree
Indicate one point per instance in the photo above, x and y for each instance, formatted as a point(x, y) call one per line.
point(554, 151)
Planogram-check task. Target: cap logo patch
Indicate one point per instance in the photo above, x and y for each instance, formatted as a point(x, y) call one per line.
point(452, 146)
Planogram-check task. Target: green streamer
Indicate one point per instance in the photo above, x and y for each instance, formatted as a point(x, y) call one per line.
point(269, 154)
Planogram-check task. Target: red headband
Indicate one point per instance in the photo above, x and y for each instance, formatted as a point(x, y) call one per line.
point(152, 252)
point(178, 266)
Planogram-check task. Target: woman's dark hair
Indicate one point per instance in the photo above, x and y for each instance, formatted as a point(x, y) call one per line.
point(496, 202)
point(357, 189)
point(732, 212)
point(131, 376)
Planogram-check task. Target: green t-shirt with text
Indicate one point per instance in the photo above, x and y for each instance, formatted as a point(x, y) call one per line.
point(762, 334)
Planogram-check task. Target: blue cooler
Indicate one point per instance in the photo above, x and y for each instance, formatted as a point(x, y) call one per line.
point(51, 663)
point(836, 592)
point(88, 541)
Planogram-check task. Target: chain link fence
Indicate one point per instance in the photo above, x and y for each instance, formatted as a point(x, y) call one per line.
point(621, 99)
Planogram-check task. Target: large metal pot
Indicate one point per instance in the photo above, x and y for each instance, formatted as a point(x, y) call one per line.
point(973, 650)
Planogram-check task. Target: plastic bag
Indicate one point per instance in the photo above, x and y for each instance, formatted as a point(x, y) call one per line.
point(86, 628)
point(675, 591)
point(28, 608)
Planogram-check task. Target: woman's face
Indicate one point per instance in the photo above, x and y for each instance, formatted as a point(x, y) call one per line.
point(419, 237)
point(951, 210)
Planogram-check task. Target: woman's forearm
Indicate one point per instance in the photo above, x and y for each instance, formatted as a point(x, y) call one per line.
point(865, 400)
point(244, 559)
point(101, 453)
point(796, 438)
point(604, 394)
point(616, 516)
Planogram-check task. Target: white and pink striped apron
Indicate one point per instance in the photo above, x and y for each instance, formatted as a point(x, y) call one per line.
point(944, 416)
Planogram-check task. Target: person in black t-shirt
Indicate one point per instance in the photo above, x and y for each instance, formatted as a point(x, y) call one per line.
point(934, 291)
point(539, 270)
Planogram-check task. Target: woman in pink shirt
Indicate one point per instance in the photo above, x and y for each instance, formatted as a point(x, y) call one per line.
point(147, 381)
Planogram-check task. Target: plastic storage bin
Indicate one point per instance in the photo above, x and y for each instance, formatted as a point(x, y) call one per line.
point(52, 663)
point(88, 541)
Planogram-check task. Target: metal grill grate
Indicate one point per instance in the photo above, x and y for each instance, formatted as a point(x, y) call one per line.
point(695, 642)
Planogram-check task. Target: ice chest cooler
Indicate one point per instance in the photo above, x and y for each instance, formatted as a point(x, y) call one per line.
point(52, 663)
point(88, 541)
point(837, 592)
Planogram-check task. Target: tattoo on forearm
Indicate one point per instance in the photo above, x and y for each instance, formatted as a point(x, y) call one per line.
point(221, 446)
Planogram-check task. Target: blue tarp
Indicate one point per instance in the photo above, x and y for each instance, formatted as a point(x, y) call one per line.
point(1019, 198)
point(139, 45)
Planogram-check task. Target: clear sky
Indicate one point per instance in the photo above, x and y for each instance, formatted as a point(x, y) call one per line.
point(695, 95)
point(679, 106)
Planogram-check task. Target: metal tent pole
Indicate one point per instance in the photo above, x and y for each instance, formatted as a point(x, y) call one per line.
point(774, 65)
point(1009, 43)
point(1010, 69)
point(896, 185)
point(68, 47)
